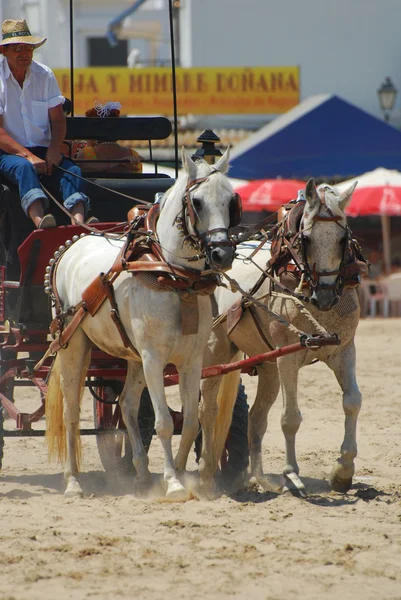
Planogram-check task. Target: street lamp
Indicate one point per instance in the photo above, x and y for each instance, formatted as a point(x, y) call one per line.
point(387, 93)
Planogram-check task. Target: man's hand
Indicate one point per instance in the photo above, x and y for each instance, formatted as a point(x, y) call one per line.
point(38, 163)
point(53, 157)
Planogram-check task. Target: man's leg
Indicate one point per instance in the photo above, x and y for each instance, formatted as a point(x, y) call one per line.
point(35, 211)
point(73, 190)
point(22, 173)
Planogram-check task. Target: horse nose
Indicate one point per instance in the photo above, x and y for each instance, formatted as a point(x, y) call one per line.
point(324, 299)
point(222, 258)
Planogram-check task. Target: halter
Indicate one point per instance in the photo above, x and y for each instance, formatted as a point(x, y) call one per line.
point(193, 237)
point(311, 274)
point(289, 254)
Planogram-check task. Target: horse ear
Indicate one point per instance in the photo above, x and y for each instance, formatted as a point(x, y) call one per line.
point(346, 196)
point(311, 194)
point(222, 164)
point(188, 164)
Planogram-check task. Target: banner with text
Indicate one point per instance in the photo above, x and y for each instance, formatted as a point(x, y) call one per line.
point(200, 91)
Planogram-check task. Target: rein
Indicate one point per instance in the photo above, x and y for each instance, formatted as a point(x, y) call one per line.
point(83, 225)
point(103, 187)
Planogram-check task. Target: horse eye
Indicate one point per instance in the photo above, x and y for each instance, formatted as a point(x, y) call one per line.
point(197, 204)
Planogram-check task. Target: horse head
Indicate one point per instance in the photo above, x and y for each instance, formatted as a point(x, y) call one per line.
point(210, 208)
point(325, 239)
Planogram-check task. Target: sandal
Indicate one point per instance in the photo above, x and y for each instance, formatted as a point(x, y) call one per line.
point(47, 222)
point(91, 221)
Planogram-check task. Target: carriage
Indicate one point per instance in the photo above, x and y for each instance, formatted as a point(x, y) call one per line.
point(25, 311)
point(25, 308)
point(25, 315)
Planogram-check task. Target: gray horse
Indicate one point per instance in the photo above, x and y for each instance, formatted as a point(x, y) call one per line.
point(314, 272)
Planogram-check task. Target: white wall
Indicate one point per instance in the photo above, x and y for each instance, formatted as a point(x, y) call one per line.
point(51, 18)
point(346, 47)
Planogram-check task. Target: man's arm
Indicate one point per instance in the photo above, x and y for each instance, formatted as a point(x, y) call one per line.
point(8, 144)
point(59, 129)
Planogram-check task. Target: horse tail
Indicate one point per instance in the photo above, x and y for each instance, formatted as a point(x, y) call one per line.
point(55, 427)
point(226, 398)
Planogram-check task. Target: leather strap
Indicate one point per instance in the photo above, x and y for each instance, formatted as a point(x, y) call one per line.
point(252, 312)
point(64, 336)
point(109, 290)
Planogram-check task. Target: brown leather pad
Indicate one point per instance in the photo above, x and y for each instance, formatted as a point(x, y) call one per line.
point(234, 315)
point(94, 295)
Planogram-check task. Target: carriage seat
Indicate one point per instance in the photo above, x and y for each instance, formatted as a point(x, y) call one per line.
point(108, 207)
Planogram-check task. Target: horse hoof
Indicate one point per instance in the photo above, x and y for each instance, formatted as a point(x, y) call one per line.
point(208, 490)
point(294, 485)
point(176, 492)
point(73, 490)
point(268, 483)
point(340, 485)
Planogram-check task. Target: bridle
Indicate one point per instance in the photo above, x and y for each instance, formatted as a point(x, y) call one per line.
point(188, 219)
point(289, 253)
point(311, 275)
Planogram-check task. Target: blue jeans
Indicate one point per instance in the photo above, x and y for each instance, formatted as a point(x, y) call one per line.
point(22, 173)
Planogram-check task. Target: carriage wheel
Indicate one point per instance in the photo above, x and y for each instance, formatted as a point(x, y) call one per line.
point(115, 450)
point(7, 388)
point(1, 435)
point(235, 458)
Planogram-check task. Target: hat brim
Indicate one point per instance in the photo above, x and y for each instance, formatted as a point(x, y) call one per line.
point(25, 39)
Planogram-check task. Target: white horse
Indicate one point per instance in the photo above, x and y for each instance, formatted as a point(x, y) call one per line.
point(320, 246)
point(192, 230)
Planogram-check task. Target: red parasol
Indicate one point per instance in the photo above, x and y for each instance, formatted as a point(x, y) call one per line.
point(268, 194)
point(378, 193)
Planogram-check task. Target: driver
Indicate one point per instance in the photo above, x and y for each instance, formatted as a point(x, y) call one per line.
point(33, 128)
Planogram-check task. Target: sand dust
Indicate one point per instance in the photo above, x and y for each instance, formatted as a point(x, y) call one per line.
point(252, 544)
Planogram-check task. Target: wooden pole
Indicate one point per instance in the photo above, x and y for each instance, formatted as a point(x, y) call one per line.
point(72, 91)
point(385, 222)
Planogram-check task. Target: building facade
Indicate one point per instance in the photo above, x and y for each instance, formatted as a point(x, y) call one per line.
point(346, 48)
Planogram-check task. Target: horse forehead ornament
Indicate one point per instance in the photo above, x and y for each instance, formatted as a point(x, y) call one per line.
point(326, 200)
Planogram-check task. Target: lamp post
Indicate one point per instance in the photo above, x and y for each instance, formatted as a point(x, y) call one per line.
point(387, 93)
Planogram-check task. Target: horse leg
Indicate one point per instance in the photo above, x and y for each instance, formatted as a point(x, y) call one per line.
point(290, 417)
point(344, 367)
point(74, 363)
point(267, 391)
point(164, 427)
point(189, 381)
point(207, 416)
point(129, 401)
point(219, 350)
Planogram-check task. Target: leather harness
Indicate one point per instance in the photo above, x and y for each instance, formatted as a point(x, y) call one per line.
point(140, 254)
point(288, 263)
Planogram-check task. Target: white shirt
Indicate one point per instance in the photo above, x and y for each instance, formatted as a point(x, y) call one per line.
point(25, 110)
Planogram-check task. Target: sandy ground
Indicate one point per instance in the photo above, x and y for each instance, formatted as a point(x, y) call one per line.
point(248, 545)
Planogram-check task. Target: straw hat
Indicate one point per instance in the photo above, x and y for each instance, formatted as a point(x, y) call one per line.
point(17, 32)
